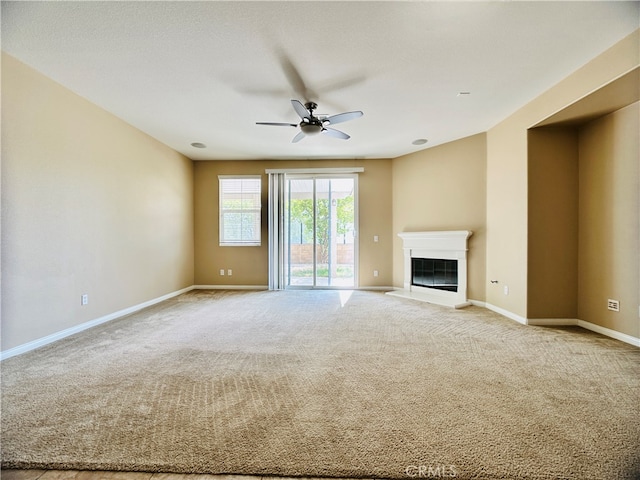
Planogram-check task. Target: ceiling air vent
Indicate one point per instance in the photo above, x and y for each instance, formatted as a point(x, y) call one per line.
point(613, 305)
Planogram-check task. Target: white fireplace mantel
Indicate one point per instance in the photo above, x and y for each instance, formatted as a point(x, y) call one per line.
point(446, 245)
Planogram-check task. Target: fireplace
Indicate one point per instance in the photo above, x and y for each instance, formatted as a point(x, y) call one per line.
point(438, 273)
point(435, 267)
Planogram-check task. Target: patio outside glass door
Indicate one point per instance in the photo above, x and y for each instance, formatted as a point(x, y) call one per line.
point(320, 231)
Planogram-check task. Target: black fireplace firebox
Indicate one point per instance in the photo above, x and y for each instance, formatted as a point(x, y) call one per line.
point(441, 274)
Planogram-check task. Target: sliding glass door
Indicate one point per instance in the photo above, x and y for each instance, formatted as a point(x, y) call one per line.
point(320, 231)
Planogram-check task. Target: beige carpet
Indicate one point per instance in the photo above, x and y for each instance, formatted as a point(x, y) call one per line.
point(326, 383)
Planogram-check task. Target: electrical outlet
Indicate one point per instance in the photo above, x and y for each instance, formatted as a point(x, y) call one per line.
point(375, 273)
point(229, 272)
point(613, 305)
point(84, 299)
point(375, 238)
point(222, 271)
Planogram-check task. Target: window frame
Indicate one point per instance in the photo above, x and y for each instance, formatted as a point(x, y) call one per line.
point(224, 242)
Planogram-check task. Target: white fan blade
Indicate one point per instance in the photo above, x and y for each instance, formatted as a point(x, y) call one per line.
point(332, 132)
point(343, 117)
point(299, 108)
point(298, 137)
point(277, 124)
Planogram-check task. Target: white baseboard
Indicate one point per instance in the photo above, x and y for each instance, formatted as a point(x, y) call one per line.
point(506, 313)
point(230, 287)
point(41, 342)
point(623, 337)
point(565, 322)
point(374, 288)
point(478, 303)
point(552, 322)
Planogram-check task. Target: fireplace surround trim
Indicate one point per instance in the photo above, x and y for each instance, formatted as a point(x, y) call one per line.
point(436, 245)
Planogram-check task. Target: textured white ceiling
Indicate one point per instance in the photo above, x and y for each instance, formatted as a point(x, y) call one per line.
point(205, 72)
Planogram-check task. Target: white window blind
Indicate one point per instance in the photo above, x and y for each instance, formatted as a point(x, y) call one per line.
point(240, 210)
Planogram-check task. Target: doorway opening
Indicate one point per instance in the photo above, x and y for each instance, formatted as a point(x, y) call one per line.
point(320, 218)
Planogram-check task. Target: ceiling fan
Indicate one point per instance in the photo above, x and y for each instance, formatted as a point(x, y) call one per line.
point(312, 124)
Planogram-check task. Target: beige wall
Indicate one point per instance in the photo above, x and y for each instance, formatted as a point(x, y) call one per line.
point(553, 223)
point(250, 264)
point(89, 205)
point(609, 212)
point(507, 171)
point(443, 188)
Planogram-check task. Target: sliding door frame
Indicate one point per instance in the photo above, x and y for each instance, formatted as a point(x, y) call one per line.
point(277, 189)
point(286, 237)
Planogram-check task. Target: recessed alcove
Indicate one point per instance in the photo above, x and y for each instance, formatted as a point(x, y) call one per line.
point(583, 207)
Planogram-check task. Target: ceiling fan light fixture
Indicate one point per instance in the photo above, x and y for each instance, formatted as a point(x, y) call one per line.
point(310, 128)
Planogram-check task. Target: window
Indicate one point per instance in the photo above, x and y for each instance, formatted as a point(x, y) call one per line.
point(240, 210)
